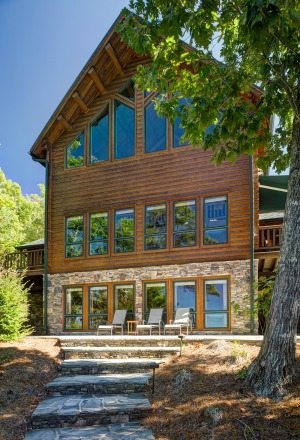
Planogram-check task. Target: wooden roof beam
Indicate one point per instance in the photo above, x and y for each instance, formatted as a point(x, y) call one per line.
point(97, 81)
point(77, 98)
point(111, 53)
point(64, 122)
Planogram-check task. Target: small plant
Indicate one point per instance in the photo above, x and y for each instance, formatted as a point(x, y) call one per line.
point(242, 373)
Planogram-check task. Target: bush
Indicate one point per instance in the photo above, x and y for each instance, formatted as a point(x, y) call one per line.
point(14, 306)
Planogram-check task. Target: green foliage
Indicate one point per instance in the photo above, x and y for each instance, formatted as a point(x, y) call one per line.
point(259, 44)
point(13, 306)
point(265, 287)
point(21, 216)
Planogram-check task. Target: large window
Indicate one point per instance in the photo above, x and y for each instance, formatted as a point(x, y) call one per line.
point(178, 130)
point(156, 227)
point(124, 230)
point(98, 306)
point(124, 131)
point(215, 304)
point(75, 152)
point(98, 235)
point(73, 308)
point(185, 297)
point(155, 297)
point(215, 220)
point(184, 233)
point(155, 130)
point(124, 299)
point(99, 138)
point(74, 237)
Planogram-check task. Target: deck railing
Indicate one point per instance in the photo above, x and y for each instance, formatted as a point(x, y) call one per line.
point(270, 237)
point(30, 260)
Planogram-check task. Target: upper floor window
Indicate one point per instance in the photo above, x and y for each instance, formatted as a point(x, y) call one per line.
point(74, 236)
point(99, 138)
point(75, 152)
point(156, 227)
point(178, 130)
point(98, 234)
point(124, 130)
point(184, 232)
point(215, 220)
point(155, 130)
point(124, 230)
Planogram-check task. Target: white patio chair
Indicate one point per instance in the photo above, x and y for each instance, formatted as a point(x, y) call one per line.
point(118, 322)
point(182, 319)
point(154, 321)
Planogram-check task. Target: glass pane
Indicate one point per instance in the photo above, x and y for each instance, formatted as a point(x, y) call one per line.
point(124, 299)
point(124, 131)
point(216, 320)
point(98, 233)
point(215, 236)
point(73, 303)
point(184, 239)
point(99, 247)
point(155, 242)
point(156, 219)
point(216, 295)
point(124, 230)
point(185, 216)
point(155, 296)
point(124, 245)
point(99, 138)
point(155, 130)
point(98, 300)
point(215, 212)
point(74, 229)
point(95, 320)
point(74, 250)
point(75, 152)
point(128, 91)
point(185, 295)
point(73, 322)
point(178, 130)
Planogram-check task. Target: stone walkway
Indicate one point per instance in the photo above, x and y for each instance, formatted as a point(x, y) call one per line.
point(99, 394)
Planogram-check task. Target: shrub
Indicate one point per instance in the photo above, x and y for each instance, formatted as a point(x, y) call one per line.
point(14, 307)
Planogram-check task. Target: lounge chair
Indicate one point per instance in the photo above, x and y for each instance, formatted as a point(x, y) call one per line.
point(154, 321)
point(118, 322)
point(182, 319)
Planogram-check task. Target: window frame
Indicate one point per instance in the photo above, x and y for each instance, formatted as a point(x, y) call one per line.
point(83, 243)
point(147, 103)
point(115, 285)
point(65, 315)
point(84, 132)
point(106, 104)
point(107, 212)
point(228, 311)
point(204, 228)
point(89, 314)
point(197, 225)
point(147, 205)
point(114, 211)
point(132, 105)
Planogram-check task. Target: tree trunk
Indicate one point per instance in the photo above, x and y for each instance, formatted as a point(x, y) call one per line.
point(275, 365)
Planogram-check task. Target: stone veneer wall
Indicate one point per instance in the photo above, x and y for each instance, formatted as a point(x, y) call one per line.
point(238, 270)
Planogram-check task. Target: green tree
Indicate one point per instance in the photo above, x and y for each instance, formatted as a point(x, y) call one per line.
point(21, 216)
point(259, 46)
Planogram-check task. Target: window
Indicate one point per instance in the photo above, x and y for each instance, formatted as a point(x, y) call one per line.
point(184, 233)
point(99, 138)
point(155, 130)
point(98, 306)
point(123, 299)
point(185, 296)
point(75, 152)
point(98, 235)
point(124, 131)
point(124, 230)
point(73, 308)
point(155, 227)
point(178, 130)
point(215, 304)
point(215, 220)
point(74, 236)
point(155, 297)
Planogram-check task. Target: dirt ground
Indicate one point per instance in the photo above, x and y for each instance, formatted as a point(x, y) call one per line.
point(24, 368)
point(201, 396)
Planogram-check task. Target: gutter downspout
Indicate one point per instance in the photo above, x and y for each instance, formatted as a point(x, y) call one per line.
point(252, 278)
point(45, 163)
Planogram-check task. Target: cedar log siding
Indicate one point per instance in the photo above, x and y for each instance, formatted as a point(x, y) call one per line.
point(176, 174)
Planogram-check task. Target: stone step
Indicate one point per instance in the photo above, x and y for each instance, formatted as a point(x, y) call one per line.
point(104, 384)
point(107, 366)
point(82, 352)
point(119, 341)
point(78, 411)
point(124, 431)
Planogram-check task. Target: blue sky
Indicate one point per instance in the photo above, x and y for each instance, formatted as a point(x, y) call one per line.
point(43, 46)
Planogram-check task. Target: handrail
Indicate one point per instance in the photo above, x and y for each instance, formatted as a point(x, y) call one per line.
point(270, 237)
point(30, 260)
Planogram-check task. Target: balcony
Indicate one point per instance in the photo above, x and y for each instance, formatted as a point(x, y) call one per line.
point(270, 237)
point(30, 260)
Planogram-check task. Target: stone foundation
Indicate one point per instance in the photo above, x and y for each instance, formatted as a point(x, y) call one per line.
point(238, 271)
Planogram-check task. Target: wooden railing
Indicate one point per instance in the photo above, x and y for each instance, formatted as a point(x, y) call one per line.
point(30, 260)
point(270, 237)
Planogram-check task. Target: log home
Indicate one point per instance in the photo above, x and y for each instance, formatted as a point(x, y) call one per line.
point(135, 218)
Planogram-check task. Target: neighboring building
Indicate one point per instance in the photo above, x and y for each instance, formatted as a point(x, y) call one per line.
point(137, 220)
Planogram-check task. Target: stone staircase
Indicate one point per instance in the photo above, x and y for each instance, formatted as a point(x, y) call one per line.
point(99, 394)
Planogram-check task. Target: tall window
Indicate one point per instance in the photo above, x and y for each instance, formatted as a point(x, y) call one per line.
point(73, 308)
point(155, 297)
point(75, 152)
point(123, 299)
point(178, 130)
point(124, 131)
point(99, 138)
point(98, 306)
point(185, 297)
point(215, 220)
point(155, 130)
point(215, 304)
point(156, 227)
point(124, 230)
point(74, 237)
point(98, 234)
point(184, 233)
